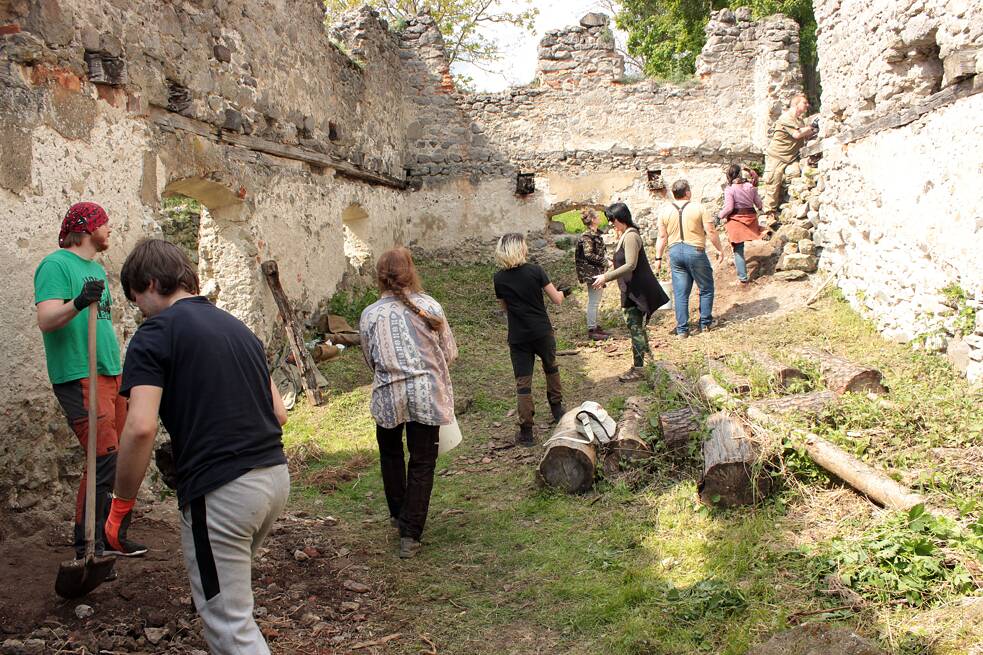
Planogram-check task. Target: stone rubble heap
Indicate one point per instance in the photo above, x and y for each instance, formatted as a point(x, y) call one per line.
point(799, 218)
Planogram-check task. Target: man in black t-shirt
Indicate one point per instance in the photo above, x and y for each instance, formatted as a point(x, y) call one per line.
point(205, 374)
point(519, 287)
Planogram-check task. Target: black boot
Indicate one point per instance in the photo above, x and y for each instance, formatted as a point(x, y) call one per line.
point(524, 436)
point(558, 410)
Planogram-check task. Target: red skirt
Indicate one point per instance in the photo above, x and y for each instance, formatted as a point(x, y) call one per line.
point(743, 227)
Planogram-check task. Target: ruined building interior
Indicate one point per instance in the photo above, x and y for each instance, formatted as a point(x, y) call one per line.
point(320, 142)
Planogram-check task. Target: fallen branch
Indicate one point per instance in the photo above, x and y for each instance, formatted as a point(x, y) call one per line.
point(377, 642)
point(841, 375)
point(815, 294)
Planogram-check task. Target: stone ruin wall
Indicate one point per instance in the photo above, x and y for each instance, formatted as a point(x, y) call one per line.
point(902, 165)
point(317, 147)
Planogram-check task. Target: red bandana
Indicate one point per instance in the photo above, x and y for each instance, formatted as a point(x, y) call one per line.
point(82, 217)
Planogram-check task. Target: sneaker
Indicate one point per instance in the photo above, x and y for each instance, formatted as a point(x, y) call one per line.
point(524, 436)
point(409, 547)
point(597, 335)
point(634, 374)
point(558, 411)
point(128, 549)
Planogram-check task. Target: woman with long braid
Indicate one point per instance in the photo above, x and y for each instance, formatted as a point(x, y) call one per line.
point(408, 345)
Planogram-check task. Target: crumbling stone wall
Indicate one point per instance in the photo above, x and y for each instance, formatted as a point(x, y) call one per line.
point(901, 123)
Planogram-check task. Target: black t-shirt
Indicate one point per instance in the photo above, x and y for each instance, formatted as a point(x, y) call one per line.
point(522, 290)
point(216, 401)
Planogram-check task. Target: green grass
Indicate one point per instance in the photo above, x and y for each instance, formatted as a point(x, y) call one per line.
point(637, 565)
point(573, 220)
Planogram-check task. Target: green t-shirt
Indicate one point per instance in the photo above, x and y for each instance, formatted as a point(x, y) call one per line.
point(60, 276)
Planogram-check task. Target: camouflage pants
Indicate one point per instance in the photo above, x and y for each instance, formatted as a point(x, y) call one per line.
point(639, 336)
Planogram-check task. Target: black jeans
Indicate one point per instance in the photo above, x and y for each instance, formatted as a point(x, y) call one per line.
point(408, 487)
point(523, 357)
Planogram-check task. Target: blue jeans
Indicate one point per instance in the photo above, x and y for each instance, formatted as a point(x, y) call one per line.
point(593, 304)
point(689, 264)
point(739, 262)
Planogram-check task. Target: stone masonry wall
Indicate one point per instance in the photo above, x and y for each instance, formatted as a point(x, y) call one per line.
point(901, 215)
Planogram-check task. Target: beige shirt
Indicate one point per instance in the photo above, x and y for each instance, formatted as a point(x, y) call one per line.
point(694, 215)
point(783, 146)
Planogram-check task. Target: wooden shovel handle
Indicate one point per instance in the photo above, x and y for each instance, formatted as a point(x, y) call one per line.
point(90, 449)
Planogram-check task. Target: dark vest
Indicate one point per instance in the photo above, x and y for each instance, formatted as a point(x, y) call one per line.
point(640, 288)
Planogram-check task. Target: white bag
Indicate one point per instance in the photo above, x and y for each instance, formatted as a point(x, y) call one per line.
point(449, 437)
point(594, 423)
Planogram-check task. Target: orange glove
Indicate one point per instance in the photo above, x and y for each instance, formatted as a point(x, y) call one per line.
point(118, 522)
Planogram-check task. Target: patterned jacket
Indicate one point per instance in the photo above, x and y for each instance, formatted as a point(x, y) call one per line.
point(591, 256)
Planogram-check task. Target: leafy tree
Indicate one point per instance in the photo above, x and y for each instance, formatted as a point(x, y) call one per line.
point(667, 35)
point(461, 22)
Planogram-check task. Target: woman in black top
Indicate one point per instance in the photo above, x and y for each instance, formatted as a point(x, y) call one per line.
point(519, 287)
point(641, 293)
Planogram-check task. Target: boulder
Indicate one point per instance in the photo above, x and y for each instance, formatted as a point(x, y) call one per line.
point(594, 20)
point(792, 233)
point(807, 247)
point(790, 276)
point(798, 262)
point(556, 227)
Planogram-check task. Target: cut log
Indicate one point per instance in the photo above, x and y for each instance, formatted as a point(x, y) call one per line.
point(295, 337)
point(738, 383)
point(780, 373)
point(677, 429)
point(712, 391)
point(841, 375)
point(568, 462)
point(628, 443)
point(807, 404)
point(862, 477)
point(732, 474)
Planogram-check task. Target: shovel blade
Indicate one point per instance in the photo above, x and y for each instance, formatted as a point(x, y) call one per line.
point(76, 578)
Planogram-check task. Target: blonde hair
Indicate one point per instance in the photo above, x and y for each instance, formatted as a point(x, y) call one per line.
point(791, 101)
point(511, 250)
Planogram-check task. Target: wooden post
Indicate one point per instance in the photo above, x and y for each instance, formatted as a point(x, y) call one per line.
point(295, 337)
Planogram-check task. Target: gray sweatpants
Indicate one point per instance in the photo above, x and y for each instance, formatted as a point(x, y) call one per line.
point(220, 533)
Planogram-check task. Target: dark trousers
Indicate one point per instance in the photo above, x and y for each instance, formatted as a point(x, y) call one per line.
point(523, 357)
point(408, 487)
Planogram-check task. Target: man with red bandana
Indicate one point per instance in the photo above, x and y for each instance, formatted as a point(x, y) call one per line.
point(66, 282)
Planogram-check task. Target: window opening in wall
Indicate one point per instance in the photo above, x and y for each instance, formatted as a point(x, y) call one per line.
point(178, 97)
point(525, 184)
point(571, 218)
point(655, 181)
point(355, 225)
point(332, 131)
point(181, 223)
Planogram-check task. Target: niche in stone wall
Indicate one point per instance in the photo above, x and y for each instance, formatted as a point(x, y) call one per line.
point(355, 225)
point(525, 184)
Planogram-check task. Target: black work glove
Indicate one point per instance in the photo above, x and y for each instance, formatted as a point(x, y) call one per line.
point(164, 457)
point(565, 289)
point(815, 124)
point(91, 292)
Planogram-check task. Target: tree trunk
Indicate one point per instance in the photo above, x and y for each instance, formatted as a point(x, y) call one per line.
point(738, 383)
point(780, 373)
point(712, 391)
point(628, 444)
point(809, 404)
point(732, 474)
point(568, 462)
point(868, 481)
point(842, 375)
point(677, 429)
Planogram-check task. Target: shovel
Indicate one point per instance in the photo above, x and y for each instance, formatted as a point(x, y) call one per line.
point(78, 577)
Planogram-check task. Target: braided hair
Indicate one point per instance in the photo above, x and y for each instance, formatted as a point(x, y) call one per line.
point(396, 273)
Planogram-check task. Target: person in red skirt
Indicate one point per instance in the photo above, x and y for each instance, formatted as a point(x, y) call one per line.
point(741, 199)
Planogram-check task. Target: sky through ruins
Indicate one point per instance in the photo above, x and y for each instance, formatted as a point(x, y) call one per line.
point(518, 63)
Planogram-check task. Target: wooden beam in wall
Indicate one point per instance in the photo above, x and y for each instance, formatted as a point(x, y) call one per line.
point(171, 121)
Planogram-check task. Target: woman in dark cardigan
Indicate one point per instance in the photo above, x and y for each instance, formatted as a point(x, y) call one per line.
point(641, 293)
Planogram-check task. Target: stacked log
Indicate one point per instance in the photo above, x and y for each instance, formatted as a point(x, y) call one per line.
point(677, 428)
point(732, 473)
point(841, 375)
point(738, 383)
point(780, 373)
point(568, 462)
point(628, 444)
point(808, 404)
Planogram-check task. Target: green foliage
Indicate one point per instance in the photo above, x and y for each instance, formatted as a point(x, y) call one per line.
point(350, 304)
point(667, 35)
point(461, 22)
point(573, 221)
point(181, 223)
point(965, 311)
point(911, 557)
